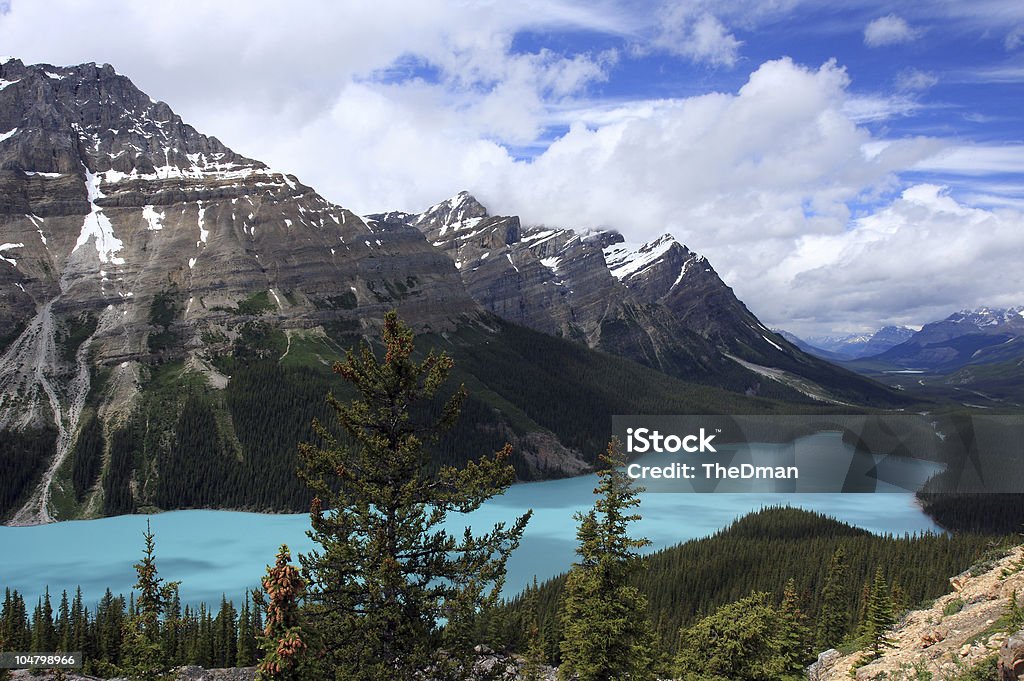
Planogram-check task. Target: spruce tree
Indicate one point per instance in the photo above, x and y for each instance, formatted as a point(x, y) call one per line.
point(282, 639)
point(79, 624)
point(386, 571)
point(109, 625)
point(532, 666)
point(46, 640)
point(144, 657)
point(6, 616)
point(605, 631)
point(63, 628)
point(225, 634)
point(172, 630)
point(245, 646)
point(835, 601)
point(793, 632)
point(878, 618)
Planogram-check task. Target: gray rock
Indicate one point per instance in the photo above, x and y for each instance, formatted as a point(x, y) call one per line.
point(819, 670)
point(1011, 658)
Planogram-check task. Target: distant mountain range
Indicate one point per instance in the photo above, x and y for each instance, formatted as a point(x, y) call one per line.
point(163, 297)
point(973, 356)
point(852, 346)
point(982, 336)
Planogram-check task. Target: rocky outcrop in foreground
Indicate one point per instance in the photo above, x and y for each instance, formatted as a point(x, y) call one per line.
point(959, 631)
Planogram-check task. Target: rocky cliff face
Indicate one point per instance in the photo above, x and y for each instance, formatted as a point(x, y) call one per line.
point(589, 287)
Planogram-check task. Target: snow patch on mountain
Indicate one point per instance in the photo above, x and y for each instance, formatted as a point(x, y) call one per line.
point(7, 247)
point(97, 226)
point(626, 260)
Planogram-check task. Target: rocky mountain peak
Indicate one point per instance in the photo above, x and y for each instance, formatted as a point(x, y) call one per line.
point(64, 119)
point(457, 210)
point(989, 317)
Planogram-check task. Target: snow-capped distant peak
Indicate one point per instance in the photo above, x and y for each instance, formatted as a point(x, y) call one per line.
point(627, 260)
point(987, 316)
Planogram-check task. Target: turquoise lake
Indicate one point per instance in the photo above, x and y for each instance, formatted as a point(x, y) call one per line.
point(223, 552)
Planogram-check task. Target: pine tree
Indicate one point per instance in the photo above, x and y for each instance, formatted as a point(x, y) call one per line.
point(110, 617)
point(833, 618)
point(172, 628)
point(44, 636)
point(606, 633)
point(225, 634)
point(532, 667)
point(79, 624)
point(144, 657)
point(793, 632)
point(386, 571)
point(63, 624)
point(878, 618)
point(282, 640)
point(6, 617)
point(245, 646)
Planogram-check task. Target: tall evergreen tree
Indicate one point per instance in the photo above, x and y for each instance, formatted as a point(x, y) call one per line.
point(386, 571)
point(245, 645)
point(282, 639)
point(63, 627)
point(793, 632)
point(110, 620)
point(5, 630)
point(606, 633)
point(225, 638)
point(878, 619)
point(14, 624)
point(172, 630)
point(44, 636)
point(833, 618)
point(532, 667)
point(144, 657)
point(79, 624)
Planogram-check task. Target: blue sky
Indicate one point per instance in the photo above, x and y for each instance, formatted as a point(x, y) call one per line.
point(843, 165)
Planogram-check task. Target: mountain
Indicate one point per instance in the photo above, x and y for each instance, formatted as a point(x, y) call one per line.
point(808, 348)
point(657, 303)
point(965, 337)
point(856, 346)
point(170, 309)
point(974, 357)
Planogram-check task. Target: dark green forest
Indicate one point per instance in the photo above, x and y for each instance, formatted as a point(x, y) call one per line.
point(220, 636)
point(23, 457)
point(190, 446)
point(760, 553)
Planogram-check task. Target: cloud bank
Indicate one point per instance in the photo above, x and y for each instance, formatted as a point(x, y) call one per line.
point(819, 222)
